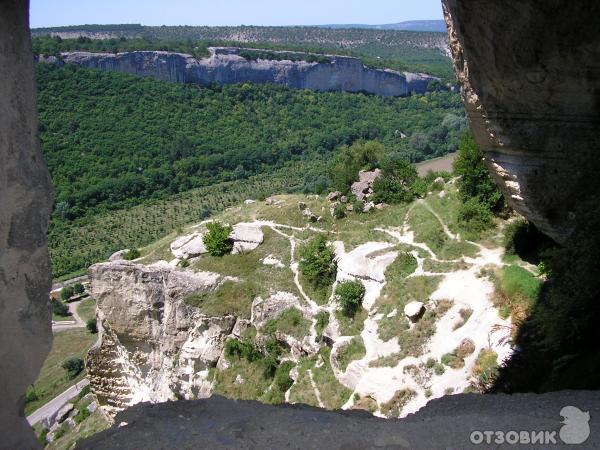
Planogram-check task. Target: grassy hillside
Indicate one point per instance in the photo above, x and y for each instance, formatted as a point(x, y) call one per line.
point(113, 141)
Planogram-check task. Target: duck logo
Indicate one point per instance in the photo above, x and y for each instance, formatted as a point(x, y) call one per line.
point(576, 428)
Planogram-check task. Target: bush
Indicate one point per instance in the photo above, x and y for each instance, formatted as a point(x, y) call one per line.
point(60, 309)
point(73, 366)
point(78, 288)
point(217, 239)
point(475, 216)
point(439, 369)
point(318, 262)
point(92, 326)
point(67, 292)
point(81, 415)
point(360, 155)
point(339, 212)
point(31, 395)
point(351, 295)
point(241, 349)
point(131, 254)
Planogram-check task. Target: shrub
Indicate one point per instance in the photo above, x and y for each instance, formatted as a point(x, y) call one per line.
point(453, 361)
point(67, 292)
point(475, 216)
point(350, 160)
point(351, 295)
point(282, 377)
point(59, 308)
point(84, 391)
point(217, 239)
point(318, 262)
point(322, 322)
point(439, 369)
point(131, 254)
point(183, 263)
point(31, 395)
point(241, 349)
point(81, 415)
point(339, 212)
point(92, 326)
point(78, 288)
point(73, 366)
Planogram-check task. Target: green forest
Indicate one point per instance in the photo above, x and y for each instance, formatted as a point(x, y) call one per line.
point(112, 141)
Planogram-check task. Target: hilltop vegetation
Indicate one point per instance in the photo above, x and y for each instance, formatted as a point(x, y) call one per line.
point(400, 50)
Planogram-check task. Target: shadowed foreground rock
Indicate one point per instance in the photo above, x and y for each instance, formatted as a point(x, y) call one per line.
point(25, 203)
point(530, 83)
point(217, 423)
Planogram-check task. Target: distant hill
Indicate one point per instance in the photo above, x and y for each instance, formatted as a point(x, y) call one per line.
point(438, 26)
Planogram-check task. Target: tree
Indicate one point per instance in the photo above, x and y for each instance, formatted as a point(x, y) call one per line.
point(131, 254)
point(92, 326)
point(73, 366)
point(217, 240)
point(67, 292)
point(362, 155)
point(396, 183)
point(59, 308)
point(475, 180)
point(318, 262)
point(350, 294)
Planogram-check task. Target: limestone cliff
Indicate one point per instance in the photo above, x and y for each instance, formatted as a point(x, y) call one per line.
point(153, 347)
point(226, 66)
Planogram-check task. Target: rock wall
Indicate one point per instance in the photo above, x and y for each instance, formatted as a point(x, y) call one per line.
point(225, 66)
point(531, 86)
point(25, 204)
point(152, 346)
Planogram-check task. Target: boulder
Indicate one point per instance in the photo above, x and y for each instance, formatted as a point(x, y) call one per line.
point(333, 196)
point(414, 310)
point(188, 246)
point(368, 207)
point(92, 407)
point(246, 237)
point(359, 189)
point(59, 416)
point(369, 176)
point(380, 206)
point(349, 208)
point(249, 201)
point(302, 206)
point(439, 180)
point(344, 199)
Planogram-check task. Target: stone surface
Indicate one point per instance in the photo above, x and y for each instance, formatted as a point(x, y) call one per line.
point(246, 237)
point(25, 205)
point(271, 307)
point(531, 87)
point(413, 310)
point(188, 246)
point(225, 66)
point(218, 423)
point(153, 347)
point(118, 256)
point(333, 196)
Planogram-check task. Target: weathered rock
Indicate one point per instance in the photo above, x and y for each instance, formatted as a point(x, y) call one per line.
point(118, 256)
point(249, 201)
point(302, 206)
point(26, 203)
point(271, 307)
point(349, 208)
point(368, 207)
point(343, 199)
point(92, 407)
point(363, 188)
point(414, 310)
point(153, 346)
point(529, 80)
point(246, 237)
point(381, 206)
point(333, 196)
point(365, 176)
point(271, 260)
point(188, 246)
point(225, 66)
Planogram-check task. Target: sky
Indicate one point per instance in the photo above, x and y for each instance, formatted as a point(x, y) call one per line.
point(47, 13)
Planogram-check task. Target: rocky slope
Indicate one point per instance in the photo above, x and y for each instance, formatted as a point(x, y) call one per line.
point(226, 66)
point(159, 345)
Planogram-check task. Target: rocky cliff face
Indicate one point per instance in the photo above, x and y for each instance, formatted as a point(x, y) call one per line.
point(153, 347)
point(531, 86)
point(226, 66)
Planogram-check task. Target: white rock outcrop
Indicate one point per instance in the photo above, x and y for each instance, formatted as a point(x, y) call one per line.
point(188, 246)
point(413, 310)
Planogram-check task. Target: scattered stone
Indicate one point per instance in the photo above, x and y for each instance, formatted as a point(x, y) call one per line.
point(343, 199)
point(188, 246)
point(414, 310)
point(368, 207)
point(333, 196)
point(363, 188)
point(349, 208)
point(92, 407)
point(302, 206)
point(333, 207)
point(270, 260)
point(249, 201)
point(380, 206)
point(439, 180)
point(239, 379)
point(309, 214)
point(269, 201)
point(359, 189)
point(442, 194)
